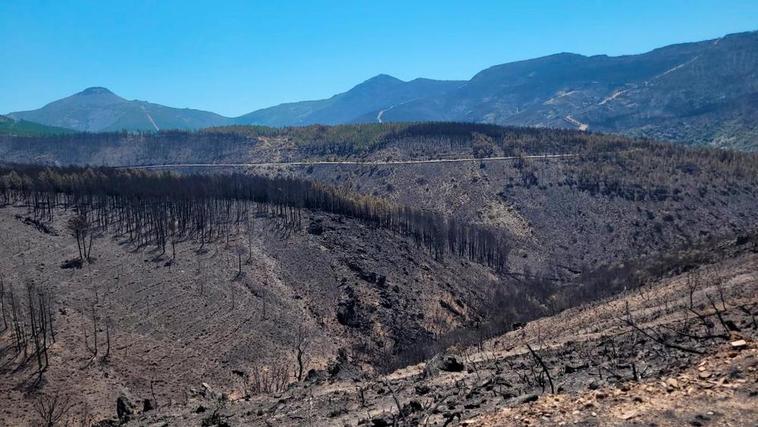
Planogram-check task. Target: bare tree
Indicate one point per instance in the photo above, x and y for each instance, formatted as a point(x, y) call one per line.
point(240, 251)
point(108, 325)
point(301, 347)
point(2, 302)
point(52, 409)
point(37, 329)
point(93, 312)
point(249, 228)
point(543, 366)
point(79, 227)
point(172, 226)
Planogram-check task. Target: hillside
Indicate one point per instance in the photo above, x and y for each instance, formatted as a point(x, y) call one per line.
point(607, 199)
point(97, 109)
point(374, 96)
point(697, 93)
point(298, 286)
point(11, 127)
point(641, 358)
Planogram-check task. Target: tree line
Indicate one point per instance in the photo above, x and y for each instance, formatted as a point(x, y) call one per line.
point(161, 208)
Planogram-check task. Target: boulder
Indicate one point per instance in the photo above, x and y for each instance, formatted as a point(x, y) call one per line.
point(527, 398)
point(381, 422)
point(447, 363)
point(124, 408)
point(148, 405)
point(316, 228)
point(411, 407)
point(348, 309)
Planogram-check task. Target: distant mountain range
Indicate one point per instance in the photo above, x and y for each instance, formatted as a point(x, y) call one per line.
point(701, 93)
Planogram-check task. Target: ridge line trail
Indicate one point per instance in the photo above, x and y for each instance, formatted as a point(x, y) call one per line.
point(349, 162)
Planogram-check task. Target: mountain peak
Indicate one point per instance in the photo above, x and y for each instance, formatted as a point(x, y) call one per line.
point(96, 90)
point(383, 78)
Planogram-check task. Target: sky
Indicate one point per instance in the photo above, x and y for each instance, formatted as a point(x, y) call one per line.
point(233, 57)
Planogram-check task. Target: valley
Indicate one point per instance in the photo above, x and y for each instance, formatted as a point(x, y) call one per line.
point(535, 213)
point(323, 264)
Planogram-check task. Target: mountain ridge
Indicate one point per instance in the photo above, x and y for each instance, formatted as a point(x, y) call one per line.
point(700, 92)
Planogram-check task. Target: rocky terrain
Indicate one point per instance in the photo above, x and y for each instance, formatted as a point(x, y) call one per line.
point(678, 351)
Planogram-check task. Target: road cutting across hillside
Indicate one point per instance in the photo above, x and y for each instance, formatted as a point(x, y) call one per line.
point(348, 162)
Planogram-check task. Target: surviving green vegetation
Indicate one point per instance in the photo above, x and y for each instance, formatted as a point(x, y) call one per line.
point(11, 127)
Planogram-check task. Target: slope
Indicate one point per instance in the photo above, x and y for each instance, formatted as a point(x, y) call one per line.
point(376, 94)
point(97, 109)
point(11, 127)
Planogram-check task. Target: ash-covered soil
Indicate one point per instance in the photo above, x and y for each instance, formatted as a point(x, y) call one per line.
point(681, 351)
point(338, 285)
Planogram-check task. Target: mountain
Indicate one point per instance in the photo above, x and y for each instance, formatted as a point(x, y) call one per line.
point(698, 93)
point(372, 97)
point(97, 109)
point(704, 92)
point(11, 127)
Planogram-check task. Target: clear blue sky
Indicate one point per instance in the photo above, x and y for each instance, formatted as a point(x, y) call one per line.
point(236, 56)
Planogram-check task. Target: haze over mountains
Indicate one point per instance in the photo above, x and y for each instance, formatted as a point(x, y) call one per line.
point(702, 93)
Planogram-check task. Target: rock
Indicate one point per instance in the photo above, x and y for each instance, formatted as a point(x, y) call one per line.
point(314, 376)
point(341, 368)
point(124, 408)
point(447, 363)
point(380, 422)
point(411, 407)
point(739, 344)
point(316, 228)
point(208, 392)
point(422, 389)
point(732, 326)
point(568, 368)
point(628, 415)
point(593, 385)
point(672, 382)
point(704, 374)
point(148, 405)
point(517, 325)
point(106, 423)
point(348, 312)
point(527, 398)
point(735, 372)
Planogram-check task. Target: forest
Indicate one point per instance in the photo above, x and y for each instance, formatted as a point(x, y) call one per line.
point(252, 143)
point(159, 208)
